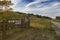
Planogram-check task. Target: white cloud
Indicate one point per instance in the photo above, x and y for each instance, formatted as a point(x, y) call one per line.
point(35, 2)
point(15, 2)
point(51, 10)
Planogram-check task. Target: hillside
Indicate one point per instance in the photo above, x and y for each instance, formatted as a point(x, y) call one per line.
point(10, 15)
point(34, 20)
point(40, 28)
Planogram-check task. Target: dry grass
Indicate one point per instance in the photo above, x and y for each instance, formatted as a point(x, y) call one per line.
point(36, 25)
point(33, 34)
point(40, 30)
point(39, 22)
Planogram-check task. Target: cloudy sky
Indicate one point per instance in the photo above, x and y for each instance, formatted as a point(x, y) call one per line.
point(49, 8)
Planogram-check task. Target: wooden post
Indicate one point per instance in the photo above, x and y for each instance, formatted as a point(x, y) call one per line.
point(26, 21)
point(22, 23)
point(51, 25)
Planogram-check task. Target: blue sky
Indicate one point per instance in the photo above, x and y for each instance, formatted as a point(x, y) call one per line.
point(49, 8)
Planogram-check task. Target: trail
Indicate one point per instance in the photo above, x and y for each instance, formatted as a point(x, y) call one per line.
point(57, 27)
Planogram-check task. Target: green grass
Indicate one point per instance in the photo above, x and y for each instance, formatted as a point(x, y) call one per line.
point(39, 28)
point(56, 20)
point(33, 34)
point(10, 15)
point(39, 22)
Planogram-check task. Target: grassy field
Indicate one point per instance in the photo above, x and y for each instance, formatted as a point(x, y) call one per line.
point(40, 28)
point(57, 20)
point(32, 34)
point(10, 15)
point(39, 22)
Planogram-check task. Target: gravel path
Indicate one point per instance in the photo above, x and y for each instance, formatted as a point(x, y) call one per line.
point(57, 27)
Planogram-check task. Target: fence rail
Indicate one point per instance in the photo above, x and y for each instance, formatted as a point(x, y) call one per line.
point(10, 26)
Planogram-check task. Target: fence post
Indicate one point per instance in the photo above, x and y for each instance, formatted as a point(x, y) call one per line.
point(25, 21)
point(50, 24)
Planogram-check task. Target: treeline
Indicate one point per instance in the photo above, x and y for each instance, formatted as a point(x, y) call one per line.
point(39, 16)
point(58, 17)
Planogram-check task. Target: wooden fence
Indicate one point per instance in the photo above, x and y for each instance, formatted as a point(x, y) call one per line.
point(10, 24)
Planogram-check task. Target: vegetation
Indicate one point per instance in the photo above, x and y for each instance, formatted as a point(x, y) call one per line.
point(56, 20)
point(58, 17)
point(32, 34)
point(40, 28)
point(9, 15)
point(39, 16)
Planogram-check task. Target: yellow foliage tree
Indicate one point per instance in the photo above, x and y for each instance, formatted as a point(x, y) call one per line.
point(5, 4)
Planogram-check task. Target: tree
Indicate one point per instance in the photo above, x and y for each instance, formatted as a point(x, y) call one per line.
point(57, 17)
point(47, 17)
point(10, 9)
point(5, 4)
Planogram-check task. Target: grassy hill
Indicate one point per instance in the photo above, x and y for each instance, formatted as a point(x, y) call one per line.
point(10, 15)
point(40, 28)
point(34, 20)
point(39, 22)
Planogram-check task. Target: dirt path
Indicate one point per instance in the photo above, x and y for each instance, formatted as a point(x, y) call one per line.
point(57, 27)
point(56, 24)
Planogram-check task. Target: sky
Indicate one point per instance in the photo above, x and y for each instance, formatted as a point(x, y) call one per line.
point(50, 8)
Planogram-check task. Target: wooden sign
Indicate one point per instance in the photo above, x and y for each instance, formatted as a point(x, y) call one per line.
point(15, 21)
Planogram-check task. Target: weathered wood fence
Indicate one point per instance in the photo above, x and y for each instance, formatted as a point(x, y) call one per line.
point(10, 24)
